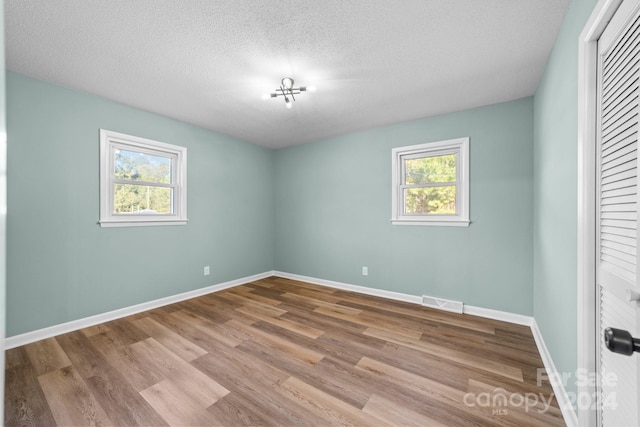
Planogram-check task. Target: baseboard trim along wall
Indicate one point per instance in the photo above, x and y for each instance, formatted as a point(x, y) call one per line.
point(354, 288)
point(74, 325)
point(559, 390)
point(568, 412)
point(468, 309)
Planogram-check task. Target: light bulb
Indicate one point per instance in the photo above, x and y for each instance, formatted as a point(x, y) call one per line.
point(288, 104)
point(287, 82)
point(311, 88)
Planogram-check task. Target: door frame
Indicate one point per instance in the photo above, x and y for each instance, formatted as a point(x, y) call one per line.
point(587, 252)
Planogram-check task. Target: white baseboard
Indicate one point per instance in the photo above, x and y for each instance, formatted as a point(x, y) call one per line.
point(354, 288)
point(468, 309)
point(569, 414)
point(504, 316)
point(74, 325)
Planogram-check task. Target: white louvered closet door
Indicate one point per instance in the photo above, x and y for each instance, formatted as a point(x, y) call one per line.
point(617, 223)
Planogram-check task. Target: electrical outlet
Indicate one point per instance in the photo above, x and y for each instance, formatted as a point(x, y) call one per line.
point(207, 270)
point(365, 271)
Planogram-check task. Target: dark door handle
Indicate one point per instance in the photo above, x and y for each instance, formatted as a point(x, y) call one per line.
point(620, 341)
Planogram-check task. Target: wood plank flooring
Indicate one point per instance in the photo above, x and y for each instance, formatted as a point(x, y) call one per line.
point(278, 352)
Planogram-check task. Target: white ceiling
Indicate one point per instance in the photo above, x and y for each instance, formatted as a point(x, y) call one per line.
point(374, 62)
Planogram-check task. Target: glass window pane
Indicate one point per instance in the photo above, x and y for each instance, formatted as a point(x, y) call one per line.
point(429, 170)
point(136, 166)
point(432, 200)
point(142, 199)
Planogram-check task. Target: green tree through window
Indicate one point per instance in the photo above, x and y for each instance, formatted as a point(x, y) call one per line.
point(134, 190)
point(430, 185)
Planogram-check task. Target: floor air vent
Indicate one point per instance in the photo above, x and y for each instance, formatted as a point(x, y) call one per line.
point(442, 304)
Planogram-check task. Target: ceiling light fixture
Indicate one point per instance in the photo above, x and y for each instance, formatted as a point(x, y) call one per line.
point(287, 90)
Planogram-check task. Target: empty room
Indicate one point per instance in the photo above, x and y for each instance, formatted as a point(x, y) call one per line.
point(288, 213)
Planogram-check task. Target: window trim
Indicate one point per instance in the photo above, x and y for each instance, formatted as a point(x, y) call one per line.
point(108, 141)
point(459, 146)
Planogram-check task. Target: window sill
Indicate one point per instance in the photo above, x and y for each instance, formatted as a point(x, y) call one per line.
point(143, 223)
point(437, 223)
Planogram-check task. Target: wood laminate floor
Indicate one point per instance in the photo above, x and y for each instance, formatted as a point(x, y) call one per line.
point(280, 352)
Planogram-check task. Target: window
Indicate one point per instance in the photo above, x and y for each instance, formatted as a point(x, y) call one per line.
point(431, 183)
point(142, 182)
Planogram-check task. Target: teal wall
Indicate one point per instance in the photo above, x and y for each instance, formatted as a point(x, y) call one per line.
point(333, 201)
point(3, 204)
point(555, 193)
point(62, 266)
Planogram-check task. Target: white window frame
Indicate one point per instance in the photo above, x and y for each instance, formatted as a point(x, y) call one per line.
point(111, 141)
point(458, 146)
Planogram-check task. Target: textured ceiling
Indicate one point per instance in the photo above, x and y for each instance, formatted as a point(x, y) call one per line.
point(374, 62)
